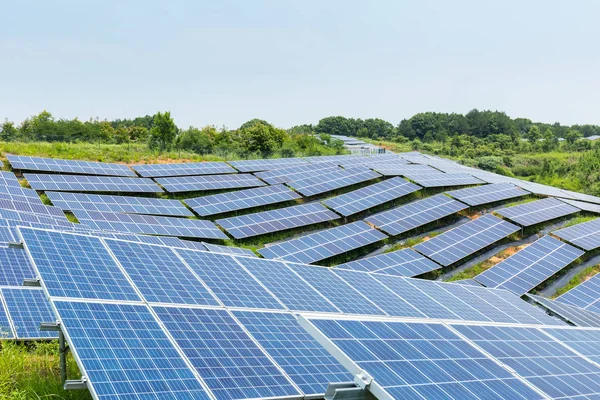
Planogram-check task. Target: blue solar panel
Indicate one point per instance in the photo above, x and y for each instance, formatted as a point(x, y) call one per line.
point(240, 251)
point(295, 172)
point(16, 216)
point(7, 234)
point(412, 215)
point(326, 182)
point(76, 266)
point(32, 208)
point(302, 358)
point(122, 204)
point(230, 363)
point(420, 360)
point(68, 166)
point(241, 199)
point(594, 208)
point(75, 183)
point(228, 281)
point(159, 274)
point(371, 196)
point(487, 194)
point(537, 211)
point(125, 354)
point(20, 194)
point(276, 220)
point(27, 309)
point(573, 314)
point(197, 168)
point(441, 179)
point(14, 267)
point(266, 164)
point(584, 341)
point(151, 225)
point(403, 170)
point(585, 295)
point(531, 266)
point(295, 293)
point(542, 361)
point(8, 179)
point(209, 182)
point(6, 330)
point(464, 240)
point(324, 244)
point(585, 235)
point(406, 262)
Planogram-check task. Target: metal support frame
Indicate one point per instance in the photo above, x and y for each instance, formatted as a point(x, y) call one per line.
point(31, 282)
point(15, 245)
point(346, 391)
point(63, 349)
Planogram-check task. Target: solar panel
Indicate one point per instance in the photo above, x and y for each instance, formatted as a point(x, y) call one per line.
point(417, 213)
point(531, 266)
point(32, 208)
point(322, 183)
point(537, 211)
point(20, 194)
point(585, 235)
point(417, 360)
point(584, 341)
point(382, 161)
point(406, 262)
point(208, 182)
point(197, 168)
point(467, 282)
point(542, 361)
point(585, 295)
point(15, 217)
point(295, 294)
point(370, 196)
point(595, 208)
point(573, 314)
point(324, 244)
point(75, 183)
point(240, 251)
point(466, 239)
point(266, 164)
point(487, 194)
point(68, 166)
point(28, 308)
point(8, 179)
point(124, 352)
point(7, 235)
point(120, 204)
point(288, 174)
point(403, 170)
point(441, 179)
point(159, 274)
point(228, 281)
point(14, 266)
point(241, 199)
point(301, 357)
point(276, 220)
point(6, 330)
point(151, 225)
point(76, 266)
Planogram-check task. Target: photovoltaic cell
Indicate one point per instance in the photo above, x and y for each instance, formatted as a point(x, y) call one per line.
point(241, 199)
point(370, 196)
point(324, 244)
point(441, 179)
point(240, 251)
point(537, 211)
point(68, 166)
point(266, 164)
point(28, 308)
point(75, 183)
point(302, 358)
point(585, 295)
point(296, 172)
point(417, 213)
point(406, 262)
point(208, 182)
point(125, 353)
point(276, 220)
point(120, 204)
point(575, 315)
point(487, 194)
point(14, 267)
point(466, 239)
point(585, 235)
point(322, 183)
point(197, 168)
point(76, 266)
point(531, 266)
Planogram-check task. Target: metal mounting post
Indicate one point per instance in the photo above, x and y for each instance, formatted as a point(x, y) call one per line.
point(62, 346)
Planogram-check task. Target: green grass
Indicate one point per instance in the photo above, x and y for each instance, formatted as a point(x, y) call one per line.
point(411, 242)
point(578, 279)
point(579, 220)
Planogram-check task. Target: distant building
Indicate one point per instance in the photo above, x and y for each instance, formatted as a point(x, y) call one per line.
point(357, 146)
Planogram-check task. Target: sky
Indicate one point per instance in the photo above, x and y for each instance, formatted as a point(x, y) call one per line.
point(294, 62)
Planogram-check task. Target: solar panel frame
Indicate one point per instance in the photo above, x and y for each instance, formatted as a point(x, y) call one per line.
point(323, 183)
point(405, 262)
point(486, 194)
point(27, 309)
point(26, 163)
point(85, 183)
point(585, 235)
point(538, 211)
point(183, 169)
point(441, 179)
point(199, 183)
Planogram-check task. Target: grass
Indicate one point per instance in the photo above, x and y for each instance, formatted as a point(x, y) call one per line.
point(410, 242)
point(578, 279)
point(32, 372)
point(484, 265)
point(578, 220)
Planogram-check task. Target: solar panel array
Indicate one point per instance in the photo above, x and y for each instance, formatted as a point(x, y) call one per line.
point(441, 179)
point(198, 168)
point(150, 225)
point(464, 240)
point(76, 183)
point(537, 211)
point(208, 182)
point(324, 244)
point(288, 174)
point(573, 314)
point(241, 199)
point(266, 164)
point(406, 262)
point(531, 266)
point(371, 196)
point(322, 183)
point(417, 213)
point(585, 295)
point(68, 166)
point(9, 179)
point(585, 235)
point(276, 220)
point(487, 194)
point(118, 204)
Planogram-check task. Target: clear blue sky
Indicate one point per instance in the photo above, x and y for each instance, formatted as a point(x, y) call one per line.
point(290, 62)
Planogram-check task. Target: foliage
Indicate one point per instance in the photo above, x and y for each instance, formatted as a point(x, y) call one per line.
point(163, 131)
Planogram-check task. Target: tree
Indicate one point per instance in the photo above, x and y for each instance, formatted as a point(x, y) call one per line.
point(572, 136)
point(8, 132)
point(261, 138)
point(163, 131)
point(550, 140)
point(138, 133)
point(534, 134)
point(199, 141)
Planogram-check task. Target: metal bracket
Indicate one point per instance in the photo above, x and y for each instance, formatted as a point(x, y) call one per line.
point(76, 384)
point(31, 282)
point(362, 379)
point(62, 347)
point(15, 245)
point(345, 391)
